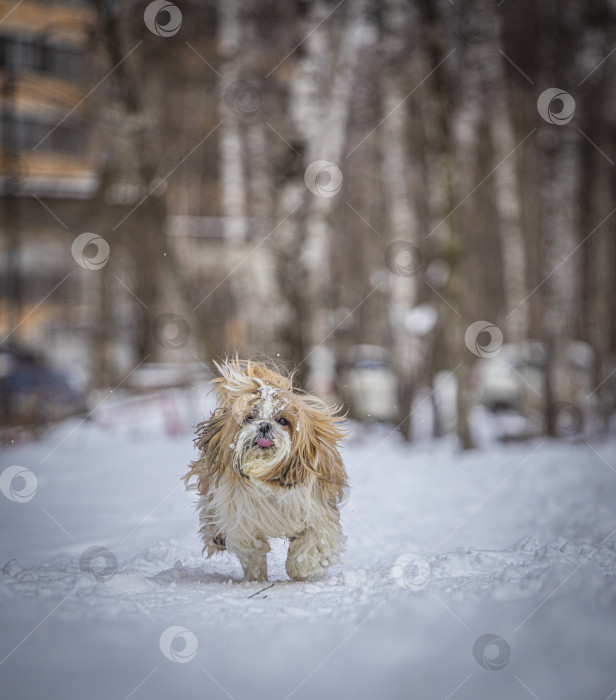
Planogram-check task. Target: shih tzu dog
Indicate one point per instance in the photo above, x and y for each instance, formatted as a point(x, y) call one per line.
point(269, 467)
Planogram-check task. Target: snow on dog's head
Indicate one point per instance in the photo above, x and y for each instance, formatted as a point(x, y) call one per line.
point(264, 430)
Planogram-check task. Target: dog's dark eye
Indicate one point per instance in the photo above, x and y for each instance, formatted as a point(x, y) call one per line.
point(249, 418)
point(282, 421)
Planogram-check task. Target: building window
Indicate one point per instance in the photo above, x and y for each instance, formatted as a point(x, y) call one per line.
point(35, 54)
point(24, 132)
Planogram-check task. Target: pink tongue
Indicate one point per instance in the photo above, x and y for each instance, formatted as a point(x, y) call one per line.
point(264, 442)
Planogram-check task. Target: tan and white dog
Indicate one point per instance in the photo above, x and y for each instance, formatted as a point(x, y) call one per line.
point(269, 467)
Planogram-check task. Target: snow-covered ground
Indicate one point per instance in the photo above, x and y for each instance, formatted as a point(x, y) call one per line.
point(516, 541)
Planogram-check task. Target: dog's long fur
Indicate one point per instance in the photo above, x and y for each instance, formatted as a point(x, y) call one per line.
point(290, 489)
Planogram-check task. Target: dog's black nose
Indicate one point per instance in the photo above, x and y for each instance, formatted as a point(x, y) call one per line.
point(265, 427)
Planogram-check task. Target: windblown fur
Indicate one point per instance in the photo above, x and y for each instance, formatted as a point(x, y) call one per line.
point(269, 466)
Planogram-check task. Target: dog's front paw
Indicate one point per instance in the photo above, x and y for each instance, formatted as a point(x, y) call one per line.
point(257, 574)
point(306, 566)
point(254, 563)
point(311, 553)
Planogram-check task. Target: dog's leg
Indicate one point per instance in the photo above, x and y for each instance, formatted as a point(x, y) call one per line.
point(253, 561)
point(312, 552)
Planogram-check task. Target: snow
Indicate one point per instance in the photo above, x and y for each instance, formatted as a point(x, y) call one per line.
point(514, 541)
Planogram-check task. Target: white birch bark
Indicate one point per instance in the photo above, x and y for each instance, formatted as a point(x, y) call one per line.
point(264, 293)
point(465, 133)
point(323, 124)
point(232, 167)
point(402, 220)
point(232, 173)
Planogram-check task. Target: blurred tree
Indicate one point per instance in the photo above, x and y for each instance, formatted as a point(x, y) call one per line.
point(428, 111)
point(397, 24)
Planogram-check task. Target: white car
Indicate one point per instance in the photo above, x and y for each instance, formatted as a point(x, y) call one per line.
point(369, 384)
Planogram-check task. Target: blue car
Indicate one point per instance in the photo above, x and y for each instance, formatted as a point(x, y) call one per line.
point(33, 392)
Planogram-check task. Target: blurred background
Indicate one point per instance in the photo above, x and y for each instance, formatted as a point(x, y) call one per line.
point(409, 203)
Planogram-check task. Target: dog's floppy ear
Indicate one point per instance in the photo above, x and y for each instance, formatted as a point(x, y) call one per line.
point(212, 443)
point(320, 431)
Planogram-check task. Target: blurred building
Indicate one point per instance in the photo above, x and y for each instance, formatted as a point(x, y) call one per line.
point(59, 140)
point(47, 160)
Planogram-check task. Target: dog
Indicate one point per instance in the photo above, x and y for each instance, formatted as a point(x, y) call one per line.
point(269, 466)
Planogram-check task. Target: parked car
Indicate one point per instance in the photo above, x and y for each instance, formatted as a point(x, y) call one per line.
point(369, 384)
point(33, 392)
point(515, 378)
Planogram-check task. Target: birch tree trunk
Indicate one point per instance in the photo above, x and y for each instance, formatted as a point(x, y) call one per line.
point(135, 159)
point(598, 316)
point(600, 312)
point(442, 187)
point(323, 126)
point(559, 194)
point(507, 193)
point(231, 151)
point(265, 291)
point(402, 221)
point(465, 131)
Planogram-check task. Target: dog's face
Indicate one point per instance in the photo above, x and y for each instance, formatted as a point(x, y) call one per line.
point(268, 426)
point(263, 430)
